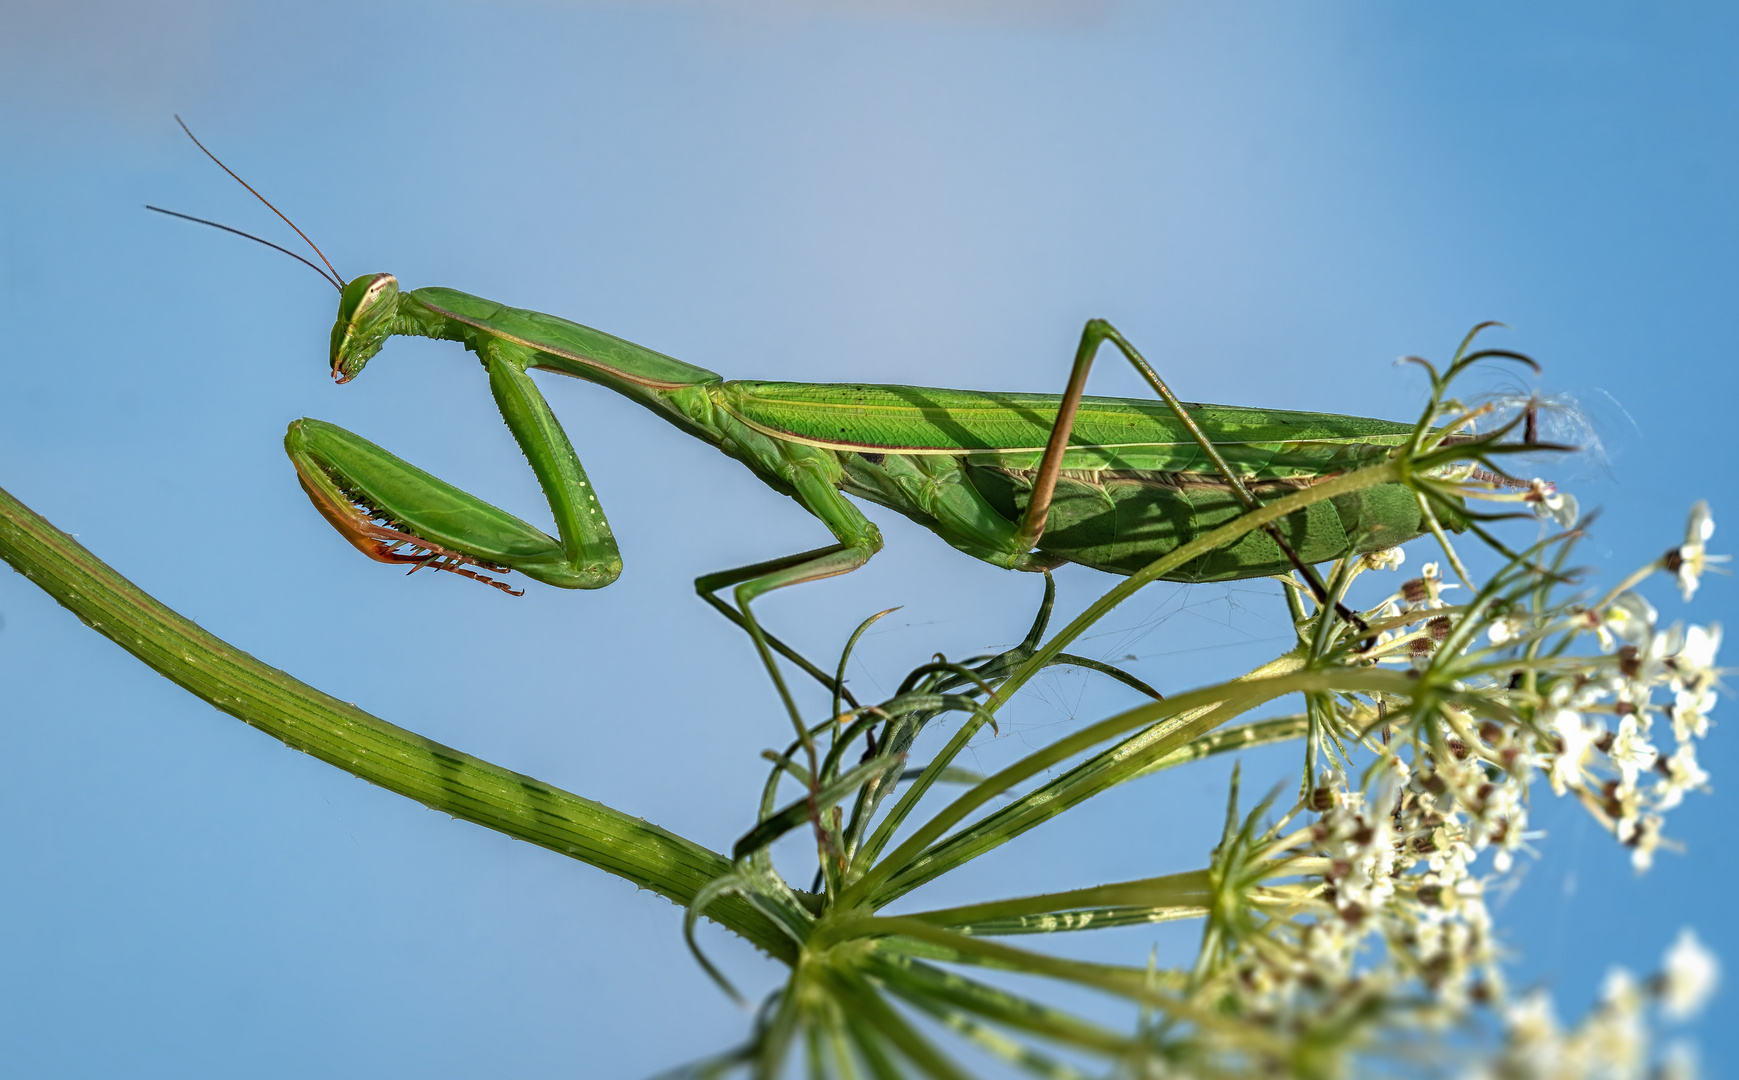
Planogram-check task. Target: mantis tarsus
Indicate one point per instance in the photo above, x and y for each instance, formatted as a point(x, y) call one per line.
point(1022, 481)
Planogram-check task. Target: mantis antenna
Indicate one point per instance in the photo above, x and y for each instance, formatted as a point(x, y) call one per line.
point(336, 278)
point(250, 236)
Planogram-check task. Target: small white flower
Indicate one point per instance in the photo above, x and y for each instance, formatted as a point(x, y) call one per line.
point(1504, 630)
point(1690, 559)
point(1693, 677)
point(1691, 714)
point(1363, 848)
point(1550, 503)
point(1688, 977)
point(1619, 988)
point(1683, 774)
point(1630, 751)
point(1693, 665)
point(1643, 835)
point(1575, 739)
point(1701, 645)
point(1424, 591)
point(1386, 559)
point(1646, 666)
point(1629, 618)
point(1532, 1020)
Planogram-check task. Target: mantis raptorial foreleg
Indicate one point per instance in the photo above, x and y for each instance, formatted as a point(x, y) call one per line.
point(394, 512)
point(589, 555)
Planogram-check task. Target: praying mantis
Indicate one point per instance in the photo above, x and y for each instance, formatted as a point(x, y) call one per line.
point(1021, 481)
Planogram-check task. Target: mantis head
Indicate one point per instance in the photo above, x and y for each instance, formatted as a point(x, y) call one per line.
point(366, 311)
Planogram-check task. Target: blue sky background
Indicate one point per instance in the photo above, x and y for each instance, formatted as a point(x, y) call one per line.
point(1273, 200)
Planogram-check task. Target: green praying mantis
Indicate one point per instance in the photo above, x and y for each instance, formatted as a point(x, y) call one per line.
point(1021, 481)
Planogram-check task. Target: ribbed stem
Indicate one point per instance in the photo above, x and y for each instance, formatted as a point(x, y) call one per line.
point(364, 745)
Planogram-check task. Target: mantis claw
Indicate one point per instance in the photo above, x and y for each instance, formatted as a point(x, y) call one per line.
point(356, 521)
point(343, 478)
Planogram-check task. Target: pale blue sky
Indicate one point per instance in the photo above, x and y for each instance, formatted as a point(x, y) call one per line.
point(1273, 200)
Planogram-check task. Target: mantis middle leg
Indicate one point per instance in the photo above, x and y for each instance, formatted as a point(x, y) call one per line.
point(858, 538)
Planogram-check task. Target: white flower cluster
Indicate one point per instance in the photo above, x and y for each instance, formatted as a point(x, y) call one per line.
point(1386, 891)
point(1588, 721)
point(1613, 1040)
point(1400, 869)
point(1603, 741)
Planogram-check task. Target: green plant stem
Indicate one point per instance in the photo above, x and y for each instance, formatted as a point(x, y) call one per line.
point(1371, 476)
point(1201, 710)
point(1132, 983)
point(918, 983)
point(1189, 889)
point(342, 735)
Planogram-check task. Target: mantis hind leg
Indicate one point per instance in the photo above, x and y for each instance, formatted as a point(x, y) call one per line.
point(1032, 524)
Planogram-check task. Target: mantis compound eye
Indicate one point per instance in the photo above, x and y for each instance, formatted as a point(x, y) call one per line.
point(365, 313)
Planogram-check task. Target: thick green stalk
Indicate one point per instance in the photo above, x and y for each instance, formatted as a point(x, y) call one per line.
point(361, 744)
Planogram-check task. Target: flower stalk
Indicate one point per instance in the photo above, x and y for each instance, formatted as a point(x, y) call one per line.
point(340, 734)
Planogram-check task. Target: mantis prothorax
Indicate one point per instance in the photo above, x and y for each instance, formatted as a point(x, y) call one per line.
point(1022, 481)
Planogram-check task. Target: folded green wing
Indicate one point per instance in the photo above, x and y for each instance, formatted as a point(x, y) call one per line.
point(1114, 433)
